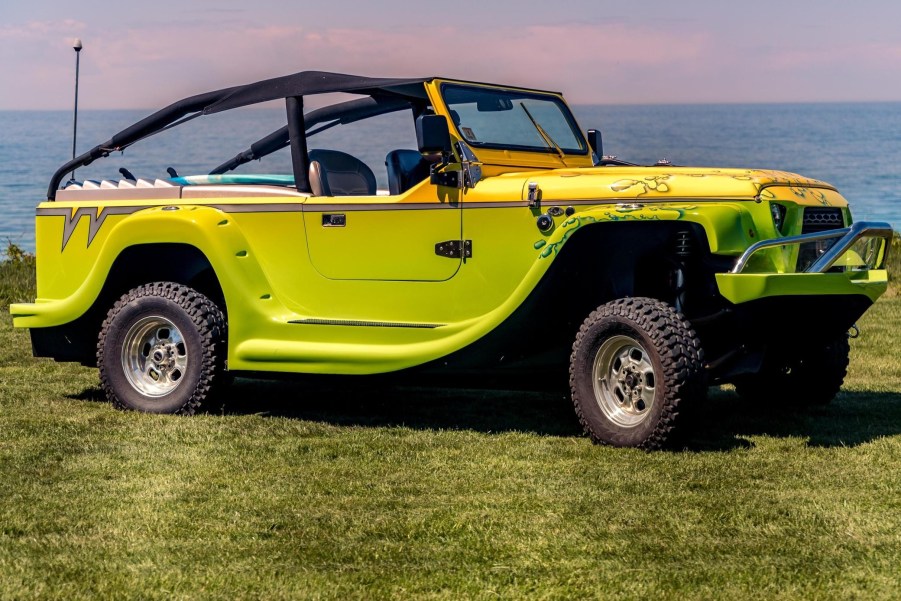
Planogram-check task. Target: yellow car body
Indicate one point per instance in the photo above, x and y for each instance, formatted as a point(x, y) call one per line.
point(451, 273)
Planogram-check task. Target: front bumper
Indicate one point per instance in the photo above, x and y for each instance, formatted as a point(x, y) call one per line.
point(866, 277)
point(744, 287)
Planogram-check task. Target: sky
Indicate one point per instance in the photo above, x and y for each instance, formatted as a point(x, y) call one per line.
point(148, 54)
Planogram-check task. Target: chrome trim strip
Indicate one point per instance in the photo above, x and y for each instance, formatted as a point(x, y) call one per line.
point(630, 200)
point(258, 208)
point(646, 200)
point(509, 204)
point(848, 236)
point(394, 206)
point(368, 324)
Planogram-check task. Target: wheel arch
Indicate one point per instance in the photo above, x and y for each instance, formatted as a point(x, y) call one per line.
point(162, 261)
point(597, 264)
point(65, 324)
point(135, 265)
point(607, 260)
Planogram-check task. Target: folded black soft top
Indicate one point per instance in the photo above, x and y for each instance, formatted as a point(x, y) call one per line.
point(301, 84)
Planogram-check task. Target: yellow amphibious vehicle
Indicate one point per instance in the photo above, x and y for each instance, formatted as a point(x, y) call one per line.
point(506, 244)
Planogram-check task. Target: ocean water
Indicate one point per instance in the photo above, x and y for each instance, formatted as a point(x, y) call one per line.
point(855, 146)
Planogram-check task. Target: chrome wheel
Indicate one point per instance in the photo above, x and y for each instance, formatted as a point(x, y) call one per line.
point(636, 365)
point(154, 356)
point(624, 381)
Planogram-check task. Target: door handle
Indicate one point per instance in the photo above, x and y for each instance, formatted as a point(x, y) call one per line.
point(334, 220)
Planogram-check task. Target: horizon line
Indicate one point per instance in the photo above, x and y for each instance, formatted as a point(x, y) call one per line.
point(572, 104)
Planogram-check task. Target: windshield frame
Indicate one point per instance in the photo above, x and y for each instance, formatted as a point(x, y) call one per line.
point(520, 94)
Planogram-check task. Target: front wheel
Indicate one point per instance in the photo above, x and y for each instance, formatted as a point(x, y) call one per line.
point(161, 348)
point(634, 362)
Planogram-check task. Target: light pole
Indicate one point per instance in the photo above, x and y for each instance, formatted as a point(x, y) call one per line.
point(77, 47)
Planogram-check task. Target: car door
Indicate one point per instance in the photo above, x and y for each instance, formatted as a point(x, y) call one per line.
point(415, 236)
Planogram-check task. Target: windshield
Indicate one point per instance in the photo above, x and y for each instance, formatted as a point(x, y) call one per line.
point(511, 119)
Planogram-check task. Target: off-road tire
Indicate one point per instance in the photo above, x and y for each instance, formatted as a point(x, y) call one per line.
point(671, 356)
point(198, 351)
point(811, 378)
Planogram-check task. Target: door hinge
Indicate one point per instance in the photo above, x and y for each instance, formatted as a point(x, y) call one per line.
point(534, 196)
point(454, 249)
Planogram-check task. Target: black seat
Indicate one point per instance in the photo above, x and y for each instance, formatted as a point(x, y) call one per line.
point(406, 168)
point(335, 173)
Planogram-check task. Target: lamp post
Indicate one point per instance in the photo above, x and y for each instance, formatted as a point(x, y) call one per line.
point(77, 47)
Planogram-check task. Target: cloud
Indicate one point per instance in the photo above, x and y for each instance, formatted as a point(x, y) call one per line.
point(857, 55)
point(36, 57)
point(66, 29)
point(151, 63)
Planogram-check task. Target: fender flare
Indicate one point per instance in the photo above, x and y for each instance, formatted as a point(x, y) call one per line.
point(211, 231)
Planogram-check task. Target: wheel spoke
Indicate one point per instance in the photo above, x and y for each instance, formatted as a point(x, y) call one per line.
point(175, 337)
point(647, 396)
point(180, 362)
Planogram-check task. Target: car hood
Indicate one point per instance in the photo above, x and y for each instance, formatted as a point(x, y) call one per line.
point(625, 184)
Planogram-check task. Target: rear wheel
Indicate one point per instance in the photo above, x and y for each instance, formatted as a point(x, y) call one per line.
point(810, 378)
point(161, 349)
point(635, 363)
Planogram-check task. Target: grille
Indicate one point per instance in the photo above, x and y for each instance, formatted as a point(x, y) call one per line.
point(818, 219)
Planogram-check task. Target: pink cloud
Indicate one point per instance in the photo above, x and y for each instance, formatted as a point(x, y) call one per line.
point(66, 30)
point(887, 56)
point(146, 65)
point(150, 66)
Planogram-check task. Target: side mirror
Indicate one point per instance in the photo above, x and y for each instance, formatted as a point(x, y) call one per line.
point(466, 176)
point(596, 144)
point(432, 134)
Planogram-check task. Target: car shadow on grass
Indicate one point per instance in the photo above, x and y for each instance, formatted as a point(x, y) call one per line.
point(375, 403)
point(721, 422)
point(724, 421)
point(92, 394)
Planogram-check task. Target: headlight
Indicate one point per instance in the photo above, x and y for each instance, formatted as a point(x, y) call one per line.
point(809, 252)
point(778, 212)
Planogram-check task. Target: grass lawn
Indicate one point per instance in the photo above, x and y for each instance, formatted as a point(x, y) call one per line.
point(304, 491)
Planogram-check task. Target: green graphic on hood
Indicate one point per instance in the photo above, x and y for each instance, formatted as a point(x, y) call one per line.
point(656, 183)
point(801, 187)
point(625, 213)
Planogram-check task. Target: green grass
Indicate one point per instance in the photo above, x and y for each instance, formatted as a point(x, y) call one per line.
point(17, 276)
point(305, 491)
